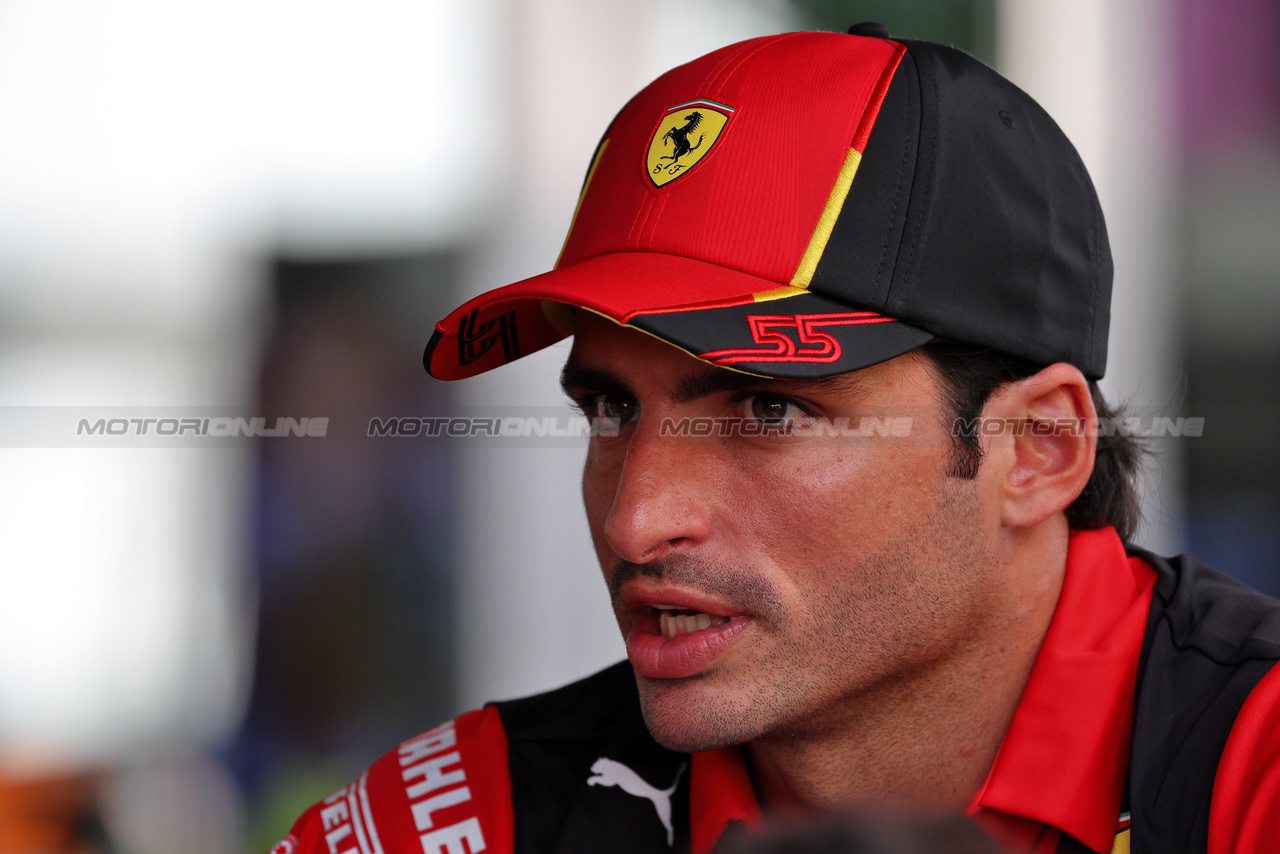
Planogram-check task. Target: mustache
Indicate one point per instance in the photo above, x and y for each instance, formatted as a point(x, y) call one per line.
point(741, 587)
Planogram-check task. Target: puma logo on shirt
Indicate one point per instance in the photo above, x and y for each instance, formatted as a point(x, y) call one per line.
point(607, 772)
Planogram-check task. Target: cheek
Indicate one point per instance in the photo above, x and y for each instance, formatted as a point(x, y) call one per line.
point(831, 483)
point(856, 497)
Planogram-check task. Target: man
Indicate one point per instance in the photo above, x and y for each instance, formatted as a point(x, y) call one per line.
point(842, 301)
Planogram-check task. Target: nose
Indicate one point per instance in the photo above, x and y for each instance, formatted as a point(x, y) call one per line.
point(665, 497)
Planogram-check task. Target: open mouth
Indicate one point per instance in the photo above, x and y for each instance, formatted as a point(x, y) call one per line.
point(673, 622)
point(672, 641)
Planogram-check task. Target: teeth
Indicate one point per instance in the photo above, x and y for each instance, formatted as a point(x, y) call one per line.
point(672, 625)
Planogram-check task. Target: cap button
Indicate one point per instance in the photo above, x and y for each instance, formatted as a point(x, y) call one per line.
point(870, 29)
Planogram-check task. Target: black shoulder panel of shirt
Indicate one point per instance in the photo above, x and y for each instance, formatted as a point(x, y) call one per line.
point(555, 740)
point(1209, 641)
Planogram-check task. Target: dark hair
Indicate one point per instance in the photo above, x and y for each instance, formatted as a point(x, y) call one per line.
point(972, 374)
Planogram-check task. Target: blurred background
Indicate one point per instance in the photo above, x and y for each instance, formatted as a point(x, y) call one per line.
point(260, 209)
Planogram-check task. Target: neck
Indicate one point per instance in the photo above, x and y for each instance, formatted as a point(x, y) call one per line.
point(929, 737)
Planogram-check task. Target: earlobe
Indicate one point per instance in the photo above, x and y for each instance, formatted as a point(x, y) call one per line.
point(1052, 426)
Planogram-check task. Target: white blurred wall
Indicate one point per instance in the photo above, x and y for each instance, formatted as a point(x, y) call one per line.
point(154, 155)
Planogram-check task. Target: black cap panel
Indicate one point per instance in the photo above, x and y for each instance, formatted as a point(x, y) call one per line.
point(1002, 254)
point(972, 216)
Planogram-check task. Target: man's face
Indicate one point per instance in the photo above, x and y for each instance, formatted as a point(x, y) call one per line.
point(766, 582)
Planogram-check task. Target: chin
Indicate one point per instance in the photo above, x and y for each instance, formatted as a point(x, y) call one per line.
point(686, 722)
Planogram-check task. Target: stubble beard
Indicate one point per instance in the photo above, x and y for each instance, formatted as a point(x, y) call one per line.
point(678, 712)
point(863, 640)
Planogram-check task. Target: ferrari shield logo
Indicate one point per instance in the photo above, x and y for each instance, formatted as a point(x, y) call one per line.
point(683, 137)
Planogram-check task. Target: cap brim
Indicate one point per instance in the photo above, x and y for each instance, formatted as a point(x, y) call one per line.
point(717, 314)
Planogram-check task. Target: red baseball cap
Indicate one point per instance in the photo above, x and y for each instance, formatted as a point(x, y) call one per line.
point(807, 204)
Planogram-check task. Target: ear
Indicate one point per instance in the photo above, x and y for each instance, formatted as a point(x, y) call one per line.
point(1047, 446)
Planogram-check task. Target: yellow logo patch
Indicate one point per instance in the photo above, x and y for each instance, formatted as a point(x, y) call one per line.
point(683, 137)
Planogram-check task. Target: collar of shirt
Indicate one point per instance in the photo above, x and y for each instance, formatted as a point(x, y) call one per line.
point(1063, 760)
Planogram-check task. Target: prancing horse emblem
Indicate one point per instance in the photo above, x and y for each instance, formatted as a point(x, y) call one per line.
point(606, 772)
point(679, 137)
point(683, 137)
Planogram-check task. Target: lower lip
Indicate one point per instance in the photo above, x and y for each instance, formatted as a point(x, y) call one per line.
point(657, 656)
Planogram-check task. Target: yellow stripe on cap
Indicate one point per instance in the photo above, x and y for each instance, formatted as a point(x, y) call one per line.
point(778, 293)
point(826, 221)
point(586, 185)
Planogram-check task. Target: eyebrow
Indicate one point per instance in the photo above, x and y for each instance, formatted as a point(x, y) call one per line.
point(706, 382)
point(575, 377)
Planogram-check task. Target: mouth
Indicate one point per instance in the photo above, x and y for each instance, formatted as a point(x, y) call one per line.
point(675, 640)
point(673, 621)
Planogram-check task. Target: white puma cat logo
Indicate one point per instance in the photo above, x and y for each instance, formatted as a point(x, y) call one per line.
point(609, 773)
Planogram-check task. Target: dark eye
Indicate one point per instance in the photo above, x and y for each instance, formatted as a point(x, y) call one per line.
point(611, 408)
point(772, 409)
